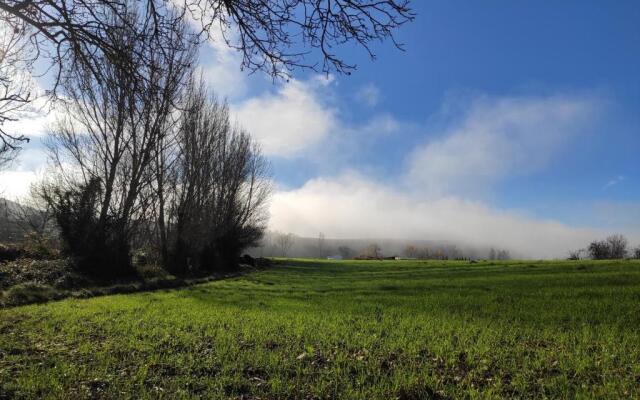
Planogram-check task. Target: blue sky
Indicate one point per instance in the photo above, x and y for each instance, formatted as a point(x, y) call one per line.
point(503, 123)
point(502, 48)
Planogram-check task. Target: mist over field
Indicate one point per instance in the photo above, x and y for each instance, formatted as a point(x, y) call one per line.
point(354, 208)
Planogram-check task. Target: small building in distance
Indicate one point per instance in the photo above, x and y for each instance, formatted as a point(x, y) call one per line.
point(335, 257)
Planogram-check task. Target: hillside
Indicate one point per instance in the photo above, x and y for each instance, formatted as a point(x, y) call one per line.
point(9, 231)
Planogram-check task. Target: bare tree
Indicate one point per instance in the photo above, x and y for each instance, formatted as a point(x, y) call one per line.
point(211, 187)
point(503, 255)
point(275, 36)
point(278, 35)
point(33, 221)
point(424, 253)
point(272, 35)
point(613, 247)
point(32, 215)
point(346, 252)
point(15, 82)
point(576, 254)
point(78, 35)
point(285, 241)
point(617, 246)
point(104, 145)
point(599, 250)
point(373, 251)
point(411, 251)
point(321, 240)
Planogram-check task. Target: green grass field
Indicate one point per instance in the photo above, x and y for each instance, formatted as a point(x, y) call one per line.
point(331, 329)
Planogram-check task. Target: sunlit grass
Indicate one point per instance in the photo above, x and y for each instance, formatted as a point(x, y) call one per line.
point(342, 329)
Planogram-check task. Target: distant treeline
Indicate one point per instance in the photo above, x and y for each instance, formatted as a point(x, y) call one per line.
point(611, 248)
point(278, 244)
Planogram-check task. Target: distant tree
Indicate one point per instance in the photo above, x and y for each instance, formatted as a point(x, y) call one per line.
point(285, 241)
point(636, 253)
point(613, 247)
point(263, 245)
point(503, 255)
point(321, 241)
point(424, 253)
point(492, 254)
point(576, 254)
point(617, 246)
point(33, 215)
point(346, 252)
point(373, 251)
point(452, 252)
point(599, 250)
point(411, 251)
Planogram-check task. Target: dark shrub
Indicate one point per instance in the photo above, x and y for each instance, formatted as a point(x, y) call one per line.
point(10, 252)
point(27, 293)
point(263, 262)
point(613, 247)
point(247, 260)
point(220, 252)
point(259, 262)
point(223, 252)
point(39, 247)
point(617, 246)
point(97, 245)
point(599, 250)
point(180, 258)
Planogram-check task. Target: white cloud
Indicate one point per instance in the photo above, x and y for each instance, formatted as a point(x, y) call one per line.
point(380, 124)
point(614, 181)
point(16, 180)
point(351, 206)
point(16, 184)
point(220, 65)
point(289, 121)
point(368, 95)
point(222, 71)
point(497, 138)
point(22, 172)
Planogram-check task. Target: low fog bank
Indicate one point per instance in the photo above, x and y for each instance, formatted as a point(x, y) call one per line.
point(352, 206)
point(276, 244)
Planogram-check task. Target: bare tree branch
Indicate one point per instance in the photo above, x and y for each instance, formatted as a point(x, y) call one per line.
point(275, 36)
